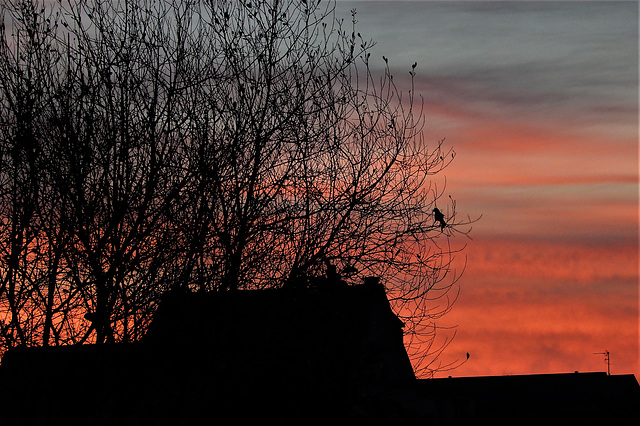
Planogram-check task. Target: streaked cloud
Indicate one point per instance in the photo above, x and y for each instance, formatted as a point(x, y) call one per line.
point(540, 102)
point(540, 307)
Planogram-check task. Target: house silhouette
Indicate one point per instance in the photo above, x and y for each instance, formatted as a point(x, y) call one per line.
point(538, 399)
point(318, 355)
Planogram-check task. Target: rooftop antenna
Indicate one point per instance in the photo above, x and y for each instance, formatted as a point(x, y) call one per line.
point(607, 359)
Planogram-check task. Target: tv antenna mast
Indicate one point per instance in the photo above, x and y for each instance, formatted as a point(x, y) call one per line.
point(607, 359)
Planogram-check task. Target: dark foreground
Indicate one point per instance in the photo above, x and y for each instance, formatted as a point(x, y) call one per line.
point(304, 357)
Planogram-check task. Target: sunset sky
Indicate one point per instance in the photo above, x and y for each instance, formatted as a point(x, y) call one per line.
point(540, 102)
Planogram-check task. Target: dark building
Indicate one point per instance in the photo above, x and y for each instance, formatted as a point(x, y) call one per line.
point(339, 333)
point(290, 356)
point(539, 399)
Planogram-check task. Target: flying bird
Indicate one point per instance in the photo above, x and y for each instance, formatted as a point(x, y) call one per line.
point(439, 217)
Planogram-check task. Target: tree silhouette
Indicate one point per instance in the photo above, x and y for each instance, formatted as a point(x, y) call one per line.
point(211, 146)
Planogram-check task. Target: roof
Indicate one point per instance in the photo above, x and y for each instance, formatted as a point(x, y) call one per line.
point(572, 398)
point(344, 332)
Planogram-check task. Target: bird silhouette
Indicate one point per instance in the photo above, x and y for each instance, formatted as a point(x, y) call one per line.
point(439, 217)
point(468, 355)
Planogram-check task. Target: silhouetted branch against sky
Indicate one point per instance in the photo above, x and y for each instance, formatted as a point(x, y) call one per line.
point(208, 145)
point(541, 102)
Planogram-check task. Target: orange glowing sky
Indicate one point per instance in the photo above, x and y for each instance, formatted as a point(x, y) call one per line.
point(540, 102)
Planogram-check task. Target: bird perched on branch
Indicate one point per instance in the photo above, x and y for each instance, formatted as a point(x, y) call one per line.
point(439, 217)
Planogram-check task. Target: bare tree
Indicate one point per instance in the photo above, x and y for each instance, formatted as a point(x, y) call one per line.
point(23, 270)
point(209, 145)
